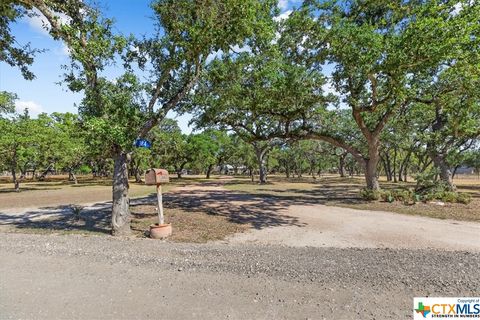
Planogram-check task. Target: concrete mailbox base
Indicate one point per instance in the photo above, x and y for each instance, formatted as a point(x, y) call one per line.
point(160, 231)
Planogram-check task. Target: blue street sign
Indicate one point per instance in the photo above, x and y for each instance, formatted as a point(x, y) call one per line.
point(142, 143)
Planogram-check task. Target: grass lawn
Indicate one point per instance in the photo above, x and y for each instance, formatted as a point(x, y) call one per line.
point(344, 192)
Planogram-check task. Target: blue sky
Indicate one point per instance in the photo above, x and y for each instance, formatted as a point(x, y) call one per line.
point(44, 94)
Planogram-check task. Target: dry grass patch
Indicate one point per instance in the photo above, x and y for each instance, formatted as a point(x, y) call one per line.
point(187, 226)
point(57, 191)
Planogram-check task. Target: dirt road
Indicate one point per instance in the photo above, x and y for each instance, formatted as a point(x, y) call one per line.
point(325, 226)
point(277, 221)
point(74, 277)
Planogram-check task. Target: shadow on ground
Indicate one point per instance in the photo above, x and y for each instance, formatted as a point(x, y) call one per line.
point(95, 218)
point(257, 210)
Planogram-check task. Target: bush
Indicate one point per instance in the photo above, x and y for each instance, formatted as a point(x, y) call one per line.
point(84, 169)
point(409, 196)
point(449, 196)
point(464, 198)
point(369, 195)
point(426, 180)
point(387, 196)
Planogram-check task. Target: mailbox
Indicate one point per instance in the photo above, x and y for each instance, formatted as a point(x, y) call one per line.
point(156, 176)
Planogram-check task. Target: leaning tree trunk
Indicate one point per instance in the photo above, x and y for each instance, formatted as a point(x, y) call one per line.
point(121, 201)
point(44, 173)
point(72, 176)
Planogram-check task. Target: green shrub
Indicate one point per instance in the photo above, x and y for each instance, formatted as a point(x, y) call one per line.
point(447, 196)
point(426, 180)
point(387, 196)
point(464, 198)
point(84, 169)
point(369, 195)
point(409, 196)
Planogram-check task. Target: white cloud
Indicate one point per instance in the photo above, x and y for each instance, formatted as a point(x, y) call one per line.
point(40, 24)
point(33, 108)
point(328, 88)
point(214, 55)
point(283, 15)
point(239, 49)
point(283, 4)
point(457, 8)
point(65, 49)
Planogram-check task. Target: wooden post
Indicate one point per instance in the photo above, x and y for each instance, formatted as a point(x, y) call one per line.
point(160, 204)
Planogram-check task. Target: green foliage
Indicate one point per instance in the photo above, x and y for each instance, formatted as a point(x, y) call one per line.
point(409, 196)
point(447, 196)
point(7, 102)
point(427, 180)
point(202, 27)
point(11, 52)
point(84, 169)
point(369, 194)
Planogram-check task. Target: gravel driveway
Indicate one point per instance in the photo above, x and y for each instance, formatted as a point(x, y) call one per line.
point(73, 277)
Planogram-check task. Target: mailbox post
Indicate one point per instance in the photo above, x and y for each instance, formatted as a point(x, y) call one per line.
point(158, 177)
point(160, 204)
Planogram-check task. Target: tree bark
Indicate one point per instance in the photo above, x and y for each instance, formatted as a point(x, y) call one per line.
point(16, 182)
point(138, 176)
point(72, 176)
point(444, 170)
point(455, 171)
point(260, 153)
point(386, 169)
point(371, 164)
point(341, 165)
point(209, 170)
point(394, 172)
point(121, 202)
point(402, 172)
point(44, 173)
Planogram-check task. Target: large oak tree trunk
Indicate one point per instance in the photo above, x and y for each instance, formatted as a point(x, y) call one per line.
point(261, 164)
point(121, 201)
point(444, 171)
point(371, 164)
